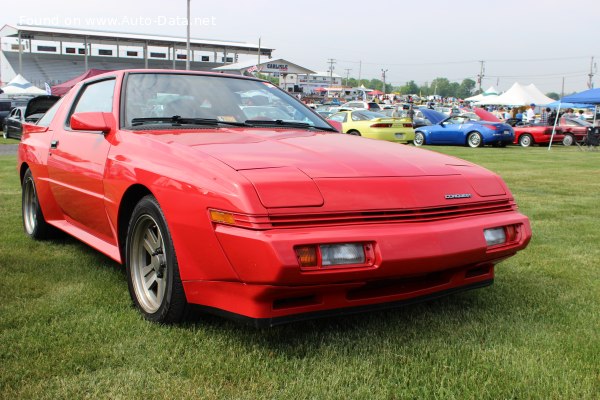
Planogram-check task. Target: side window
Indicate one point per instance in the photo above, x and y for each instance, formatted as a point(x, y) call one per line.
point(338, 117)
point(96, 97)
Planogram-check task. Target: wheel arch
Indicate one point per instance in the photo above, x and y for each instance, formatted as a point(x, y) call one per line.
point(528, 134)
point(24, 167)
point(130, 198)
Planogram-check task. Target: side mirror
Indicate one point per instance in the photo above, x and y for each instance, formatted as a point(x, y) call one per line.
point(92, 121)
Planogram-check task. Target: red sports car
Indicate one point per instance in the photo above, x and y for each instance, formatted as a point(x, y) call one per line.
point(567, 132)
point(268, 220)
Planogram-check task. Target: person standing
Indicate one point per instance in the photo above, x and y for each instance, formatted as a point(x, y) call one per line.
point(544, 116)
point(530, 114)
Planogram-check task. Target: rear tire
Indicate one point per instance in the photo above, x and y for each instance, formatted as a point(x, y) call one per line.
point(34, 223)
point(151, 265)
point(568, 140)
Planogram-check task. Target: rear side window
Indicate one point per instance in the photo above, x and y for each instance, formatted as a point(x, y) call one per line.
point(374, 105)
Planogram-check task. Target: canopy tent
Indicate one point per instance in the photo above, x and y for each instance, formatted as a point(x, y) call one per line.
point(531, 88)
point(62, 88)
point(591, 96)
point(490, 93)
point(21, 86)
point(569, 105)
point(518, 95)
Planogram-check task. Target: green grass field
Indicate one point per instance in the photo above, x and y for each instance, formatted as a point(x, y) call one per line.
point(68, 330)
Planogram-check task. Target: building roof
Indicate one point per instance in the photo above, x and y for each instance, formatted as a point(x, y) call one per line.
point(268, 66)
point(107, 37)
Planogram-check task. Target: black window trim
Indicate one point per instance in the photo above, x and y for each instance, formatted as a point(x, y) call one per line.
point(75, 101)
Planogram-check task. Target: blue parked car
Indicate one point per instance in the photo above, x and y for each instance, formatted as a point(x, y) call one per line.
point(460, 130)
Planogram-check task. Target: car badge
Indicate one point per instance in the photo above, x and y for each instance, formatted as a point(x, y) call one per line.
point(458, 196)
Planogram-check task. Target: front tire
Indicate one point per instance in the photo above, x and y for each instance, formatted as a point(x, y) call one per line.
point(34, 223)
point(419, 139)
point(151, 265)
point(354, 133)
point(525, 140)
point(474, 139)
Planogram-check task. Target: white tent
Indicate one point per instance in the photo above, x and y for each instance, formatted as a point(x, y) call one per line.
point(490, 93)
point(19, 85)
point(518, 95)
point(538, 93)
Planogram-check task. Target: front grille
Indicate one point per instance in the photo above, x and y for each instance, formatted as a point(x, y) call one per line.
point(427, 214)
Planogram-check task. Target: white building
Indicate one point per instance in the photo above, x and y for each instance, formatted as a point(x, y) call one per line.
point(308, 83)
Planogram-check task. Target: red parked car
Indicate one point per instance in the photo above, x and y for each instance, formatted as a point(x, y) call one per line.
point(266, 220)
point(567, 132)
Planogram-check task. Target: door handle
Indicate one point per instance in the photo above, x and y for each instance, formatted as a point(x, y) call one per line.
point(54, 144)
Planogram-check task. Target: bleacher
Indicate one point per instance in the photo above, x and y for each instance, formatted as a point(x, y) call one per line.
point(40, 68)
point(55, 54)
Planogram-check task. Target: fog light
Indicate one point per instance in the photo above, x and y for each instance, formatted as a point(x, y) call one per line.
point(341, 254)
point(494, 236)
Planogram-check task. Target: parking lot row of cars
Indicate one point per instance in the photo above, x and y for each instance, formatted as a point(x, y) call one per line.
point(450, 127)
point(13, 113)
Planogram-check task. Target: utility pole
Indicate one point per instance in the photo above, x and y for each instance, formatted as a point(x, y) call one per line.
point(347, 74)
point(591, 74)
point(331, 61)
point(383, 71)
point(562, 89)
point(187, 42)
point(258, 62)
point(359, 70)
point(481, 74)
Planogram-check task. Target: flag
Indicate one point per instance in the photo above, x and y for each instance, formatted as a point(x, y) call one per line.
point(48, 88)
point(252, 69)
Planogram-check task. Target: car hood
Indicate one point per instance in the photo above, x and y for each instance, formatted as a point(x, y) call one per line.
point(337, 172)
point(318, 155)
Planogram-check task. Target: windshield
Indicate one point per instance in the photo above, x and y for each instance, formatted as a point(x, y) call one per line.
point(156, 96)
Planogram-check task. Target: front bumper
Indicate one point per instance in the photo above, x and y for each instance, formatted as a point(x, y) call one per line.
point(412, 261)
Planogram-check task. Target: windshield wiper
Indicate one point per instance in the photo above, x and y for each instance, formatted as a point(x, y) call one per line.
point(293, 124)
point(175, 120)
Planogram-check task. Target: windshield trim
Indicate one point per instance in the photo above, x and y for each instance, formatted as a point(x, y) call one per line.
point(123, 94)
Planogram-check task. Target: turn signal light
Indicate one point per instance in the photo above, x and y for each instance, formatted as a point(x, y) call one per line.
point(222, 217)
point(307, 256)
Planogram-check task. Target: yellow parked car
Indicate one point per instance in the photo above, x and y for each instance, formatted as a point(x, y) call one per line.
point(375, 125)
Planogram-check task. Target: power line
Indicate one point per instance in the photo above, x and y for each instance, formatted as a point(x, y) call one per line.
point(465, 61)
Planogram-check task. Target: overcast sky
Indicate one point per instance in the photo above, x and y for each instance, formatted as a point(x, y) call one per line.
point(520, 41)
